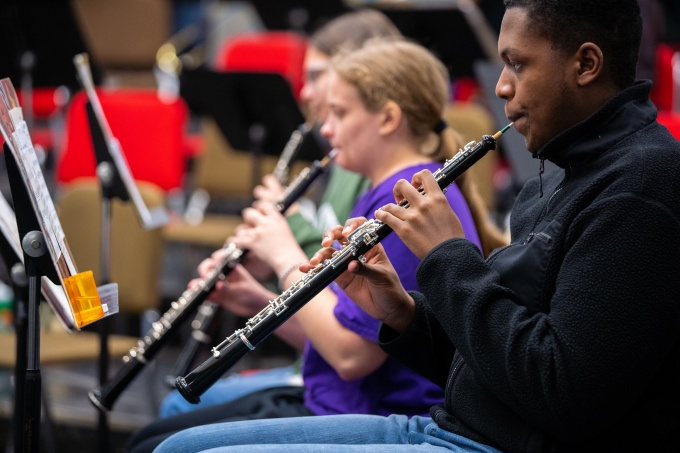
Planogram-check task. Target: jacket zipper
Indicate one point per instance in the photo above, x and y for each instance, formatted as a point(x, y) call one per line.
point(453, 373)
point(567, 173)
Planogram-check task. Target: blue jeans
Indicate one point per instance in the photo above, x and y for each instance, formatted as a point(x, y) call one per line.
point(356, 433)
point(228, 389)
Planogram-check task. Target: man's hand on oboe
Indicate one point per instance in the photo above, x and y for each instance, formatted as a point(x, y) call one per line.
point(428, 221)
point(374, 284)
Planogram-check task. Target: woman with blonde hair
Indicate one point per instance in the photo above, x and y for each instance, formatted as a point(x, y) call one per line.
point(385, 106)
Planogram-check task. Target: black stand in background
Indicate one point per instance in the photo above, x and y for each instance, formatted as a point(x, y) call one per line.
point(25, 23)
point(256, 112)
point(19, 283)
point(302, 15)
point(111, 187)
point(445, 32)
point(37, 263)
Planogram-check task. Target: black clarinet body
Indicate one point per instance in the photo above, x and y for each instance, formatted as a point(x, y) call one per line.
point(235, 347)
point(183, 308)
point(208, 312)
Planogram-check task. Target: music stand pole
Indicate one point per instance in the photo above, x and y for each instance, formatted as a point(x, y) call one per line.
point(105, 172)
point(37, 263)
point(34, 247)
point(257, 133)
point(20, 285)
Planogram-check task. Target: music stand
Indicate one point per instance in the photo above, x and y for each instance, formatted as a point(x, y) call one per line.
point(37, 62)
point(37, 263)
point(19, 284)
point(11, 252)
point(116, 182)
point(302, 15)
point(255, 111)
point(445, 28)
point(25, 25)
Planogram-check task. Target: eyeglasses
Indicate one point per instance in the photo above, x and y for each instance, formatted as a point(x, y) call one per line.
point(313, 74)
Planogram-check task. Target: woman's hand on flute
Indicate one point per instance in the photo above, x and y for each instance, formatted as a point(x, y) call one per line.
point(373, 285)
point(428, 221)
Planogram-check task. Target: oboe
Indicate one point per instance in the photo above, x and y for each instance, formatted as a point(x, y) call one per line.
point(208, 311)
point(226, 354)
point(180, 310)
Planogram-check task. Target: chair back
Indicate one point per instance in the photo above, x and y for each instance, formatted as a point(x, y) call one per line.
point(280, 52)
point(136, 255)
point(124, 34)
point(150, 131)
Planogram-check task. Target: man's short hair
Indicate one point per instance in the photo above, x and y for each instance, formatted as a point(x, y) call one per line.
point(614, 25)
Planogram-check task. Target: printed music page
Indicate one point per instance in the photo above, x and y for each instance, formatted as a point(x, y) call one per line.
point(53, 294)
point(87, 304)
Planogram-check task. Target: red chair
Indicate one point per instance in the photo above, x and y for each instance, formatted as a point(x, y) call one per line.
point(151, 133)
point(281, 52)
point(47, 107)
point(671, 121)
point(664, 86)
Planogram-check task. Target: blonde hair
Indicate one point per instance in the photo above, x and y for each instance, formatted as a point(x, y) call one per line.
point(410, 76)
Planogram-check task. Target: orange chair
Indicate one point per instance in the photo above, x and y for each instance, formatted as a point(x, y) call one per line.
point(151, 132)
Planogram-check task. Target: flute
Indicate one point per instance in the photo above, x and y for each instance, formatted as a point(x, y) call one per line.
point(226, 354)
point(162, 330)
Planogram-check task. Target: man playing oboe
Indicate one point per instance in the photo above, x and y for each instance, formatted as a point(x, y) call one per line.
point(567, 339)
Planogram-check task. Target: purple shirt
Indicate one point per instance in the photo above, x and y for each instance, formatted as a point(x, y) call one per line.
point(392, 388)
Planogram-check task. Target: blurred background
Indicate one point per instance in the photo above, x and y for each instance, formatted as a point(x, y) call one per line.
point(197, 141)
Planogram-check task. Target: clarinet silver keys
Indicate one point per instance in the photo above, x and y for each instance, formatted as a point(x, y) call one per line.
point(180, 310)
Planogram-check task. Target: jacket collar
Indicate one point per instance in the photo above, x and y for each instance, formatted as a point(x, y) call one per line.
point(626, 113)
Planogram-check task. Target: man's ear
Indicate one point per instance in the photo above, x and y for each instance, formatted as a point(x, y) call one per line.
point(590, 61)
point(390, 119)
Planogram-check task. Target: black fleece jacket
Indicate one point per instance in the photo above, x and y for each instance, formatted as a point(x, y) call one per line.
point(568, 338)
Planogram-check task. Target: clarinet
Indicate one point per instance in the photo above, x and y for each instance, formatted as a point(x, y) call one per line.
point(290, 152)
point(226, 354)
point(162, 330)
point(208, 310)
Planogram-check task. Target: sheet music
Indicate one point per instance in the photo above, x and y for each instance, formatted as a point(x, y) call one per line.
point(8, 226)
point(54, 294)
point(85, 302)
point(47, 214)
